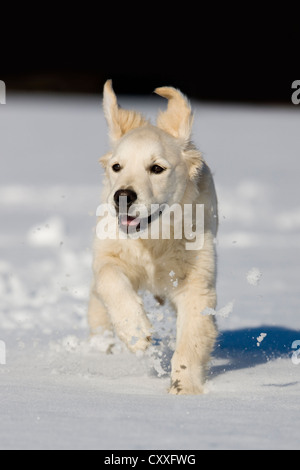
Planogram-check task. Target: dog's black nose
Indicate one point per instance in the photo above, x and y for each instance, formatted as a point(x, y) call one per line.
point(130, 195)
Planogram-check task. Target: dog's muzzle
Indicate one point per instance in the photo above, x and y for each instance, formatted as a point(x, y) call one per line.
point(124, 199)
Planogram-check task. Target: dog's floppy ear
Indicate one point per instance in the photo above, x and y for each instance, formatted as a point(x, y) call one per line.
point(104, 159)
point(177, 120)
point(194, 161)
point(119, 120)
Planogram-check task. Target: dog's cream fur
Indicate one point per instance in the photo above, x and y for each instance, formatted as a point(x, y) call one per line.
point(124, 266)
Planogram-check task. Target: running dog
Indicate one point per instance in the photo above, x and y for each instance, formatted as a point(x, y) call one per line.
point(156, 166)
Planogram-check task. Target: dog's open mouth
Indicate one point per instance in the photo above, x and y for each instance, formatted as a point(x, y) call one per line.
point(130, 224)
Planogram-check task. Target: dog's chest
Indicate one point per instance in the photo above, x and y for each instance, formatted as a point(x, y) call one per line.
point(163, 269)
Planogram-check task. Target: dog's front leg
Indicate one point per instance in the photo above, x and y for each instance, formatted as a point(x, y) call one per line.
point(98, 317)
point(196, 334)
point(124, 307)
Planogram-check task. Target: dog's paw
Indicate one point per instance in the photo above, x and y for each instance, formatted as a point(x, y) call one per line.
point(135, 334)
point(179, 388)
point(139, 344)
point(184, 382)
point(105, 342)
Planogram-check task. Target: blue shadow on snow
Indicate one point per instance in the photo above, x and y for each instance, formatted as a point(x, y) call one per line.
point(241, 348)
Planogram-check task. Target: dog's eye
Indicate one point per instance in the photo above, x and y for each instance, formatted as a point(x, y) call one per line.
point(116, 167)
point(156, 169)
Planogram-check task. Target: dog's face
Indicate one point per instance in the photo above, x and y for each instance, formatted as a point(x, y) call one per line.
point(148, 165)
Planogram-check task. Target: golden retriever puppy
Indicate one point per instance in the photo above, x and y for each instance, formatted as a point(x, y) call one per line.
point(155, 181)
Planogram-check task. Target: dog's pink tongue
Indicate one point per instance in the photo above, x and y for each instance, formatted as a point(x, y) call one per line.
point(126, 220)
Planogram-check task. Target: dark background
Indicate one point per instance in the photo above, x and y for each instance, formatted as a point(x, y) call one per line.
point(239, 56)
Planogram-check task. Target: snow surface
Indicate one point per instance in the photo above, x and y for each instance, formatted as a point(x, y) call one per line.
point(253, 276)
point(58, 390)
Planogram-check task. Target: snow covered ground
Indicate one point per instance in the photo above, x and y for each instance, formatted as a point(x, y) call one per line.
point(60, 391)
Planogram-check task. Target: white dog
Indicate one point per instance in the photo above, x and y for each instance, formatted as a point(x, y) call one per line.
point(156, 166)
